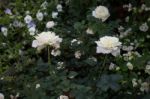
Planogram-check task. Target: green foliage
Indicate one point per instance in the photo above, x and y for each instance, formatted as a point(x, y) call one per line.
point(88, 76)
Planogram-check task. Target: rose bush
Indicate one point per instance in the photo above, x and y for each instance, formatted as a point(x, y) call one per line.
point(74, 49)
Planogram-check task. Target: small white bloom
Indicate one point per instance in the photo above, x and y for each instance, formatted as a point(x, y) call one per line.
point(39, 16)
point(59, 8)
point(46, 38)
point(1, 96)
point(74, 40)
point(134, 82)
point(4, 30)
point(60, 65)
point(93, 58)
point(63, 97)
point(101, 12)
point(20, 52)
point(50, 24)
point(117, 68)
point(108, 44)
point(37, 86)
point(77, 54)
point(32, 30)
point(130, 66)
point(143, 6)
point(147, 69)
point(89, 31)
point(144, 27)
point(54, 15)
point(111, 66)
point(55, 52)
point(28, 19)
point(127, 19)
point(129, 7)
point(145, 87)
point(127, 48)
point(27, 12)
point(120, 28)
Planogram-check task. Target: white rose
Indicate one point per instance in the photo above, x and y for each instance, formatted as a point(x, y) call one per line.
point(89, 31)
point(32, 30)
point(54, 15)
point(108, 44)
point(63, 97)
point(144, 27)
point(77, 54)
point(50, 24)
point(112, 66)
point(147, 69)
point(39, 16)
point(59, 8)
point(28, 19)
point(4, 30)
point(46, 38)
point(134, 82)
point(145, 87)
point(1, 96)
point(55, 52)
point(101, 12)
point(37, 86)
point(130, 66)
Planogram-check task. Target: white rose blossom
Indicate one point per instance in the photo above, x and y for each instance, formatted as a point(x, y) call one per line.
point(46, 39)
point(101, 12)
point(77, 54)
point(28, 19)
point(89, 31)
point(130, 66)
point(63, 97)
point(39, 16)
point(55, 52)
point(37, 86)
point(147, 69)
point(59, 8)
point(1, 96)
point(50, 24)
point(4, 30)
point(144, 27)
point(108, 44)
point(134, 82)
point(112, 66)
point(32, 30)
point(54, 15)
point(145, 86)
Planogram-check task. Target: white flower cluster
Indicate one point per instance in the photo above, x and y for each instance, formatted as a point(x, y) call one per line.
point(46, 39)
point(108, 44)
point(130, 55)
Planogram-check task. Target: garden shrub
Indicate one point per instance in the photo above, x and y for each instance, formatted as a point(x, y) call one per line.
point(75, 49)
